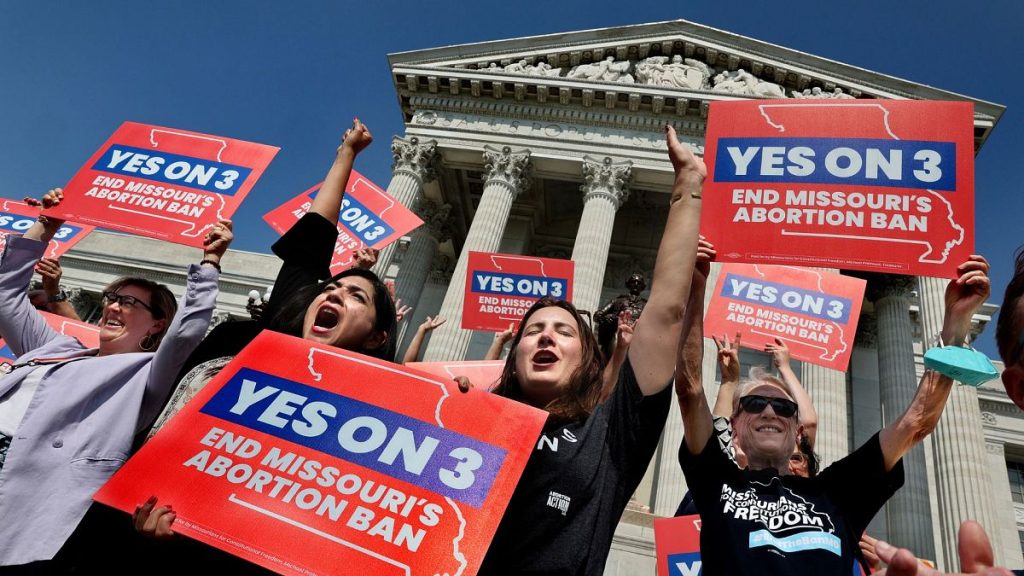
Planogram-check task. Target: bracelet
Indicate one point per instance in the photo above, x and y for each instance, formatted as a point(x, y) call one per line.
point(211, 263)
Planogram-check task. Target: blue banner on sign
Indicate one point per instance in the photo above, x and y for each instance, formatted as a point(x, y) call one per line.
point(788, 298)
point(685, 564)
point(858, 161)
point(519, 285)
point(184, 171)
point(364, 223)
point(440, 460)
point(19, 224)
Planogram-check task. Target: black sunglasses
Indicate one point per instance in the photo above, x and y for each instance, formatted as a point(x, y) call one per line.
point(756, 404)
point(123, 301)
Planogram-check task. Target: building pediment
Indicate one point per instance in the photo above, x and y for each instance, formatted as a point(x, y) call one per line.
point(673, 69)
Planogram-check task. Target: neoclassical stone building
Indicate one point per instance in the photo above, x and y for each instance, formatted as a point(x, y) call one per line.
point(553, 146)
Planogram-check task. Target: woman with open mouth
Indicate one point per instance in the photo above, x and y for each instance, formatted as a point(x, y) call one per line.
point(352, 310)
point(68, 414)
point(593, 452)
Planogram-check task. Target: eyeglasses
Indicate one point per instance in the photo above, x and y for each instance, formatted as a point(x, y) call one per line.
point(124, 301)
point(756, 404)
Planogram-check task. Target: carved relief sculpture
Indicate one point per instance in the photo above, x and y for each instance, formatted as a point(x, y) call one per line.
point(688, 74)
point(607, 70)
point(818, 93)
point(744, 83)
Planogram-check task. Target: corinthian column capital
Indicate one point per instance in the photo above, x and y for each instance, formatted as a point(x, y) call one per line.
point(415, 157)
point(606, 179)
point(507, 167)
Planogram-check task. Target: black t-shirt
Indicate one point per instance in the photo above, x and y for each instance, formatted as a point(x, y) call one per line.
point(757, 522)
point(306, 251)
point(576, 484)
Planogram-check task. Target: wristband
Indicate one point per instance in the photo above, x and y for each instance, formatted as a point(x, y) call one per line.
point(211, 263)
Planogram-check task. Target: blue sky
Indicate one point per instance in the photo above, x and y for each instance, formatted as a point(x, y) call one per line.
point(293, 74)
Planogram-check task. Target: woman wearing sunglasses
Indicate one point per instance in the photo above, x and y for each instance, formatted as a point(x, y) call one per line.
point(68, 413)
point(763, 519)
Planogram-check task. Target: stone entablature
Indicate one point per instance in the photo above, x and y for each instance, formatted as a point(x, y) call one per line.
point(669, 68)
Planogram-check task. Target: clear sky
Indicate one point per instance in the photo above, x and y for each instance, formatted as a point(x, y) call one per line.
point(293, 74)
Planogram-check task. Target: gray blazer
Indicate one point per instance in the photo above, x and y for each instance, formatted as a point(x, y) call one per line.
point(79, 426)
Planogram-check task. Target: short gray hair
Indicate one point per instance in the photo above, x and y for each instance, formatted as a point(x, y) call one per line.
point(757, 377)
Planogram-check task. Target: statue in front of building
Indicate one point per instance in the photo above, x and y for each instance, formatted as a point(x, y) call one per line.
point(606, 320)
point(688, 74)
point(607, 70)
point(742, 82)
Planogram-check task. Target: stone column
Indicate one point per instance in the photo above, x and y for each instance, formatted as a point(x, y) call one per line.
point(414, 165)
point(416, 256)
point(416, 259)
point(909, 519)
point(958, 443)
point(507, 176)
point(827, 389)
point(605, 187)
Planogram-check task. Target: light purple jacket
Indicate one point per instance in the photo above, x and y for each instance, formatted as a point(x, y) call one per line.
point(79, 426)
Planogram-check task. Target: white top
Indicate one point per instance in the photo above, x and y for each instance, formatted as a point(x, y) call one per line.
point(15, 403)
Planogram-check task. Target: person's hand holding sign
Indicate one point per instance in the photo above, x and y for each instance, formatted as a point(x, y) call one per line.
point(154, 522)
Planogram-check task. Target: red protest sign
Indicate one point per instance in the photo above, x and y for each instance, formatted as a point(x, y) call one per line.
point(163, 183)
point(500, 288)
point(308, 459)
point(484, 374)
point(369, 217)
point(87, 334)
point(17, 217)
point(815, 313)
point(677, 545)
point(880, 185)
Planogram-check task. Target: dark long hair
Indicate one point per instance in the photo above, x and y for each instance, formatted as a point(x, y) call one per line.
point(584, 391)
point(290, 314)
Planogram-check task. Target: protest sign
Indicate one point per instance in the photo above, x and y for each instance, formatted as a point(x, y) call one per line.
point(500, 288)
point(879, 185)
point(814, 312)
point(308, 459)
point(17, 217)
point(484, 374)
point(87, 334)
point(167, 184)
point(368, 217)
point(677, 545)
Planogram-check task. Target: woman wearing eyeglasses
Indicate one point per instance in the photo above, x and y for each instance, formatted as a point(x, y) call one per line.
point(764, 519)
point(68, 413)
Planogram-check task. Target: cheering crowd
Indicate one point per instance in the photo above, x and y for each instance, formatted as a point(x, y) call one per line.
point(70, 416)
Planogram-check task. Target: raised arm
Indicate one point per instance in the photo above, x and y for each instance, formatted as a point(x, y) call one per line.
point(698, 425)
point(21, 325)
point(623, 338)
point(805, 407)
point(412, 353)
point(50, 270)
point(498, 344)
point(189, 324)
point(657, 333)
point(729, 366)
point(328, 200)
point(963, 298)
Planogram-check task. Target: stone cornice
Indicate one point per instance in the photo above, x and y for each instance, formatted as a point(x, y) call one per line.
point(431, 70)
